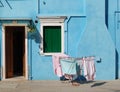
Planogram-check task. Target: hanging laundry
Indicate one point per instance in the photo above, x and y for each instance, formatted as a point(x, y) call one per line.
point(89, 68)
point(69, 68)
point(56, 63)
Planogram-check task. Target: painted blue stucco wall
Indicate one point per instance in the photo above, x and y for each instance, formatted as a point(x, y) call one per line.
point(75, 20)
point(86, 33)
point(114, 29)
point(96, 40)
point(62, 7)
point(76, 26)
point(18, 9)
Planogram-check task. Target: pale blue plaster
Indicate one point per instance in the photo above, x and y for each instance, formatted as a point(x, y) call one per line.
point(40, 67)
point(114, 28)
point(111, 17)
point(62, 7)
point(74, 32)
point(20, 9)
point(96, 40)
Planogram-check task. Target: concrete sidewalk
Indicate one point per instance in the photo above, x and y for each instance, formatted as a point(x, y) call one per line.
point(58, 86)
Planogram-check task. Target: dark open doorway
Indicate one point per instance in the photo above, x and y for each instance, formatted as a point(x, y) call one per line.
point(15, 51)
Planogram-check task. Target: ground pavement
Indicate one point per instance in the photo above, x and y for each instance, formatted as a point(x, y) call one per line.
point(59, 86)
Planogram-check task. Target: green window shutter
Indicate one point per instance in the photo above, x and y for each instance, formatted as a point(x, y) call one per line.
point(52, 39)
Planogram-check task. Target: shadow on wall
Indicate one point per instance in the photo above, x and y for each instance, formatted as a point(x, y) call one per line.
point(35, 35)
point(106, 12)
point(116, 65)
point(0, 60)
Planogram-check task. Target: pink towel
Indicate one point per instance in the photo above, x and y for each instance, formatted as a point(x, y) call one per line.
point(56, 63)
point(89, 68)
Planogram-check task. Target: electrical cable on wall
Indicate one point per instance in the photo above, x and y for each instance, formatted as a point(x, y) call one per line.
point(8, 4)
point(1, 4)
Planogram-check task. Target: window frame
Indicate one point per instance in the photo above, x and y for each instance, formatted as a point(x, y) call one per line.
point(51, 21)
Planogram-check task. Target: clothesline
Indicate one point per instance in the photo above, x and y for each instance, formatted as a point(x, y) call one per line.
point(61, 69)
point(77, 58)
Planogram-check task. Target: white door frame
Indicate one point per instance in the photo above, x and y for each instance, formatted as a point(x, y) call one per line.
point(3, 51)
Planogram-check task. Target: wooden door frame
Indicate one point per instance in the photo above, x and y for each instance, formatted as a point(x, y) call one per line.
point(3, 51)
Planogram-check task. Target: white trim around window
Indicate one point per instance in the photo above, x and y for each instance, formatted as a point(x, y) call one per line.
point(52, 21)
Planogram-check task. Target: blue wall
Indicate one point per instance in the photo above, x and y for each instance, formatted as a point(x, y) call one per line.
point(18, 9)
point(114, 29)
point(86, 33)
point(76, 20)
point(96, 40)
point(62, 7)
point(76, 26)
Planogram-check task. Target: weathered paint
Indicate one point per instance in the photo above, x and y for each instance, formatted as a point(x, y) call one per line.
point(86, 33)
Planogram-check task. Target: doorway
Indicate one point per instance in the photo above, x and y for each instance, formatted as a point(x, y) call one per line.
point(15, 51)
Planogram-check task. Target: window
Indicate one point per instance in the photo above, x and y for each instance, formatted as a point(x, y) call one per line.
point(52, 35)
point(51, 39)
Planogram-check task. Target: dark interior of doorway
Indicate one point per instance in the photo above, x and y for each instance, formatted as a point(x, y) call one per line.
point(15, 51)
point(18, 41)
